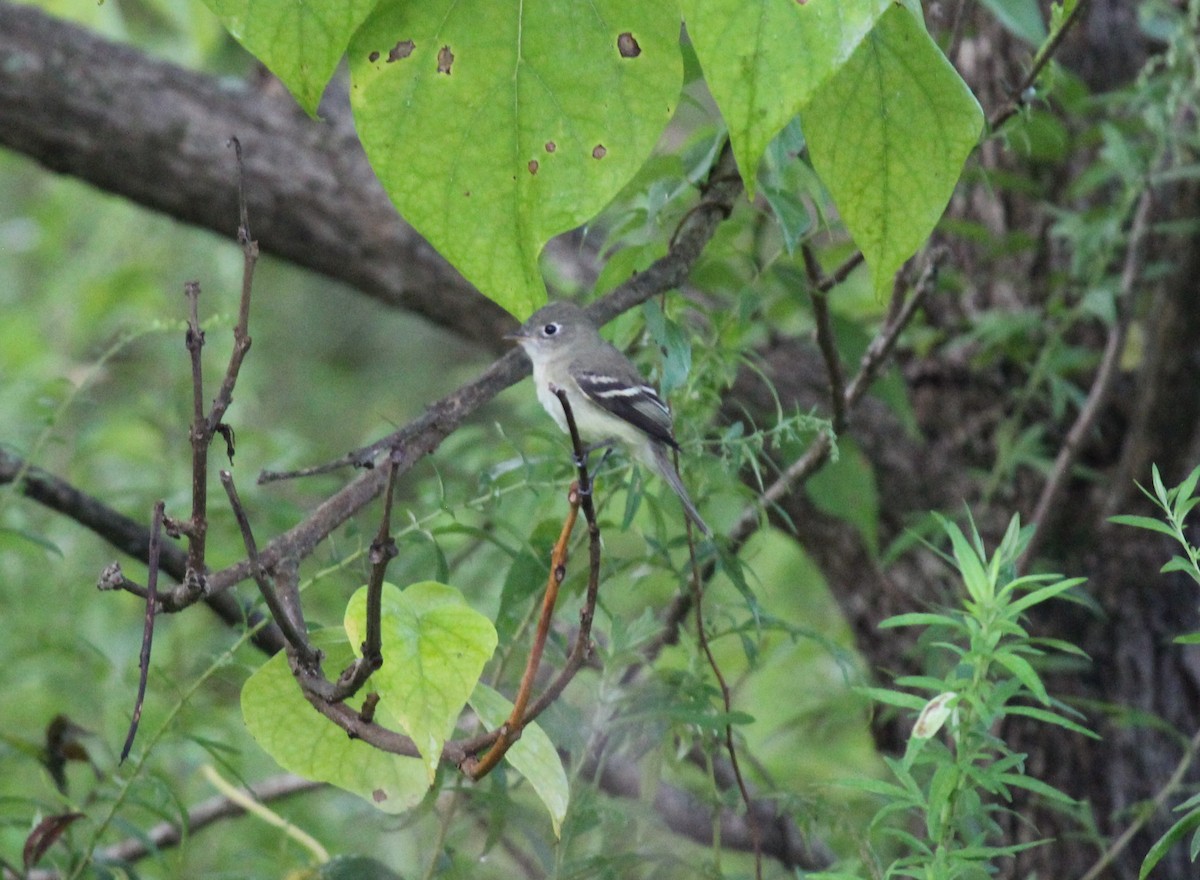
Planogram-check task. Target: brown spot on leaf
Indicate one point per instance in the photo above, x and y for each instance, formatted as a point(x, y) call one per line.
point(373, 57)
point(401, 50)
point(551, 146)
point(628, 46)
point(379, 795)
point(533, 166)
point(598, 151)
point(445, 59)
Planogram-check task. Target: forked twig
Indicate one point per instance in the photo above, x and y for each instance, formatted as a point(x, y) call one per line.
point(579, 495)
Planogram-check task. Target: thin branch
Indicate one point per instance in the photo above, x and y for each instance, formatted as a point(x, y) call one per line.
point(156, 523)
point(130, 537)
point(1018, 97)
point(383, 551)
point(296, 638)
point(1158, 803)
point(241, 335)
point(726, 699)
point(199, 436)
point(825, 339)
point(1101, 386)
point(580, 495)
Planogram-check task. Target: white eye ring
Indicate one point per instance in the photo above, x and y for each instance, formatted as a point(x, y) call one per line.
point(551, 329)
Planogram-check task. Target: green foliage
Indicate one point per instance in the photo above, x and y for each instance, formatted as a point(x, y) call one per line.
point(954, 786)
point(1176, 503)
point(765, 62)
point(491, 145)
point(436, 646)
point(301, 42)
point(305, 743)
point(889, 134)
point(534, 755)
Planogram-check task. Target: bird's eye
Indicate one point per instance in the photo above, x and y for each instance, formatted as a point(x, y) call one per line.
point(550, 329)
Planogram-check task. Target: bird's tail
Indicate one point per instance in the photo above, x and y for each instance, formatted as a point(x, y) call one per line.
point(665, 468)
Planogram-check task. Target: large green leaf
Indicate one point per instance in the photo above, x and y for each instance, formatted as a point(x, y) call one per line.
point(300, 42)
point(889, 133)
point(497, 125)
point(533, 755)
point(434, 648)
point(764, 60)
point(304, 742)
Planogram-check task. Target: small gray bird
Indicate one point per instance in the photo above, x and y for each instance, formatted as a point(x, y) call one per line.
point(609, 398)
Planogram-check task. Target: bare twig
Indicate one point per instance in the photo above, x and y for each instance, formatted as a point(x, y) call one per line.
point(726, 699)
point(1145, 816)
point(825, 339)
point(383, 551)
point(156, 523)
point(580, 495)
point(241, 335)
point(296, 638)
point(196, 528)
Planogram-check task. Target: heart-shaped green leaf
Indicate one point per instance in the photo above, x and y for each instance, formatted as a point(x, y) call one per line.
point(301, 43)
point(304, 742)
point(763, 61)
point(495, 126)
point(889, 133)
point(434, 648)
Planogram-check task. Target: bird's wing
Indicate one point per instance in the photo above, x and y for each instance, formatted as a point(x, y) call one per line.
point(631, 399)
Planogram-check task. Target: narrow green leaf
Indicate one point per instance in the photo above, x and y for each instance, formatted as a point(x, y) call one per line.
point(301, 43)
point(1051, 718)
point(1143, 522)
point(1024, 673)
point(496, 126)
point(894, 698)
point(1164, 844)
point(1043, 594)
point(889, 133)
point(1178, 563)
point(304, 742)
point(970, 566)
point(435, 646)
point(1160, 490)
point(533, 755)
point(1030, 783)
point(919, 618)
point(1184, 492)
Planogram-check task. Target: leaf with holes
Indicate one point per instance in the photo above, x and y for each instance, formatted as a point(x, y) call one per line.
point(301, 43)
point(496, 126)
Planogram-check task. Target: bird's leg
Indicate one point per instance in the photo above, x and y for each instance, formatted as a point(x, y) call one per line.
point(607, 446)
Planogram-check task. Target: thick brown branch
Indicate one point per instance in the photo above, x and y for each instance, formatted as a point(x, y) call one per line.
point(156, 134)
point(127, 536)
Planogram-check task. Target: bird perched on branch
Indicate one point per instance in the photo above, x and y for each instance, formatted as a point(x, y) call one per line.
point(609, 399)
